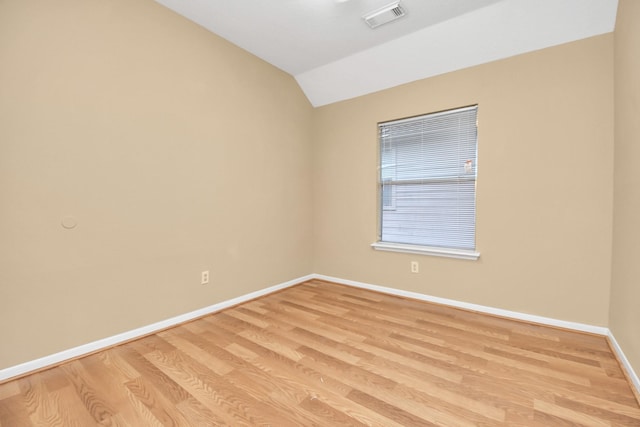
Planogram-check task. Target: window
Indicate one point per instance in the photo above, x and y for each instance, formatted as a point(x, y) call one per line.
point(427, 184)
point(387, 176)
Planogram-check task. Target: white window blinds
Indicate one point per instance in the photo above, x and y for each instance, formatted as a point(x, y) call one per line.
point(427, 182)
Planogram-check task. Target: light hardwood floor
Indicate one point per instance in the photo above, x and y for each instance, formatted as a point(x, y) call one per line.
point(329, 355)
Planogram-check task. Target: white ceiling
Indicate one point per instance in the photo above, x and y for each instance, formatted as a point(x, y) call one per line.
point(334, 55)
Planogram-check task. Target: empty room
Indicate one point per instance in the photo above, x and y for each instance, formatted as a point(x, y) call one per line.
point(319, 213)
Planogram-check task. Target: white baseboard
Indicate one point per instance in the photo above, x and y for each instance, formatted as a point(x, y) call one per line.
point(581, 327)
point(54, 359)
point(72, 353)
point(474, 307)
point(625, 363)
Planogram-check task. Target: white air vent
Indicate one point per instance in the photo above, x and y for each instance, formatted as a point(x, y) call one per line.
point(385, 14)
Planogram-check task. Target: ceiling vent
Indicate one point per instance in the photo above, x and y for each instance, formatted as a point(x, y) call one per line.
point(385, 14)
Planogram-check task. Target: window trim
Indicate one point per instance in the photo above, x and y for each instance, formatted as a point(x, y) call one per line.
point(380, 245)
point(426, 250)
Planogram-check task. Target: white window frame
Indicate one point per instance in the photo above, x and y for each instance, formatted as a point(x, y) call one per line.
point(387, 173)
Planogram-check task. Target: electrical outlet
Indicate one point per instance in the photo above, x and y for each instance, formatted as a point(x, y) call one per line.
point(204, 277)
point(415, 267)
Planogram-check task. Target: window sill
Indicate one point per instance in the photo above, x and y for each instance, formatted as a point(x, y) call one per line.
point(426, 250)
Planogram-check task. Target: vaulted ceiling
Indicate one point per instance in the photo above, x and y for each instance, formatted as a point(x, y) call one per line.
point(334, 55)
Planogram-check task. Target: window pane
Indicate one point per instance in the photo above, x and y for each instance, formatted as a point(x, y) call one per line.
point(427, 174)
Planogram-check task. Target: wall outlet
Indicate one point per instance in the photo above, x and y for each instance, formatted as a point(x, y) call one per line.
point(204, 277)
point(415, 267)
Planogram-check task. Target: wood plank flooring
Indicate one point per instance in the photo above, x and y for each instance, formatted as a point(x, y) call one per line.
point(321, 354)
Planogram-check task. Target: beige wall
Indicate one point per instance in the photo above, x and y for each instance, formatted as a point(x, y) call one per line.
point(133, 121)
point(625, 286)
point(175, 151)
point(544, 192)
